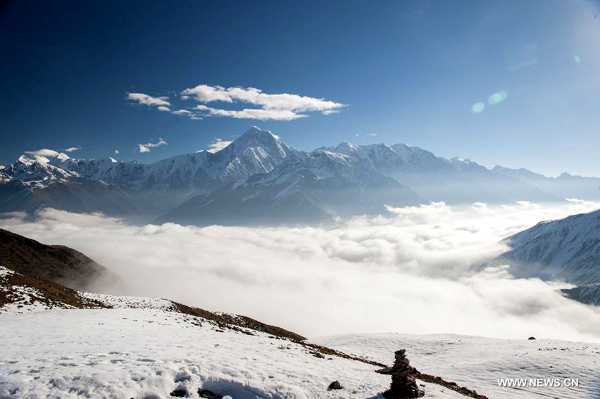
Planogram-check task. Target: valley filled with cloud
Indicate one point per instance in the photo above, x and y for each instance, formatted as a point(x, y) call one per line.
point(415, 270)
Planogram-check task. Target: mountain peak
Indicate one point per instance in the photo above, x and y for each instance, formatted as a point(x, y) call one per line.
point(255, 138)
point(44, 156)
point(257, 133)
point(564, 175)
point(345, 148)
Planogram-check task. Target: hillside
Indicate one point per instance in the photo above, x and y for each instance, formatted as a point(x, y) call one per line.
point(56, 263)
point(566, 249)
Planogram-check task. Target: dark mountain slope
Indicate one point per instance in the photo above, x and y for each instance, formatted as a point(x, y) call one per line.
point(56, 263)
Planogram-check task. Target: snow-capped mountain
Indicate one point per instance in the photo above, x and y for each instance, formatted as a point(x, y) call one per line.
point(566, 249)
point(258, 177)
point(304, 189)
point(454, 181)
point(150, 188)
point(255, 151)
point(34, 181)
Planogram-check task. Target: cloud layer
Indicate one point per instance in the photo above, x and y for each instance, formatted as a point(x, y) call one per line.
point(282, 107)
point(412, 271)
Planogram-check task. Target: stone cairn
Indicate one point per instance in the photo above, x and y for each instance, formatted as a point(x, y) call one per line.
point(403, 379)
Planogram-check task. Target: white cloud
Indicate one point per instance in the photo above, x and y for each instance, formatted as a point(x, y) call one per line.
point(44, 152)
point(252, 113)
point(182, 112)
point(250, 95)
point(281, 107)
point(150, 101)
point(146, 147)
point(116, 151)
point(71, 149)
point(217, 145)
point(410, 272)
point(272, 106)
point(205, 93)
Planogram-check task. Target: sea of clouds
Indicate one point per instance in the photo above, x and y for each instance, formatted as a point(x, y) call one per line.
point(413, 270)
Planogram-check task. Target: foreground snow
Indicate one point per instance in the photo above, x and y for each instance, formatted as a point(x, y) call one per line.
point(148, 353)
point(146, 348)
point(478, 362)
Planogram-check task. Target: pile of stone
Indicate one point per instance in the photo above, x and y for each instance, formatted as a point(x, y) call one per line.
point(403, 379)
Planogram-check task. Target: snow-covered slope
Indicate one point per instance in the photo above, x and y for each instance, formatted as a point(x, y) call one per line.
point(566, 249)
point(478, 362)
point(143, 353)
point(589, 294)
point(75, 344)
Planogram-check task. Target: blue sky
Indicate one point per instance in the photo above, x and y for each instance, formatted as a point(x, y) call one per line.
point(404, 71)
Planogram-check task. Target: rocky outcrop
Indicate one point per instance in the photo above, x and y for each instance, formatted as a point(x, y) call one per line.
point(403, 379)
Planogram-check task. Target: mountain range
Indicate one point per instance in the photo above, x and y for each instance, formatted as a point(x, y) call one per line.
point(258, 179)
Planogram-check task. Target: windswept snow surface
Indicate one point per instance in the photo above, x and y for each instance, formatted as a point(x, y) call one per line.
point(148, 353)
point(478, 363)
point(136, 302)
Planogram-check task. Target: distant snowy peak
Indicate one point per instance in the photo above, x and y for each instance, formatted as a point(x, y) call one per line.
point(394, 158)
point(255, 151)
point(565, 185)
point(36, 171)
point(44, 156)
